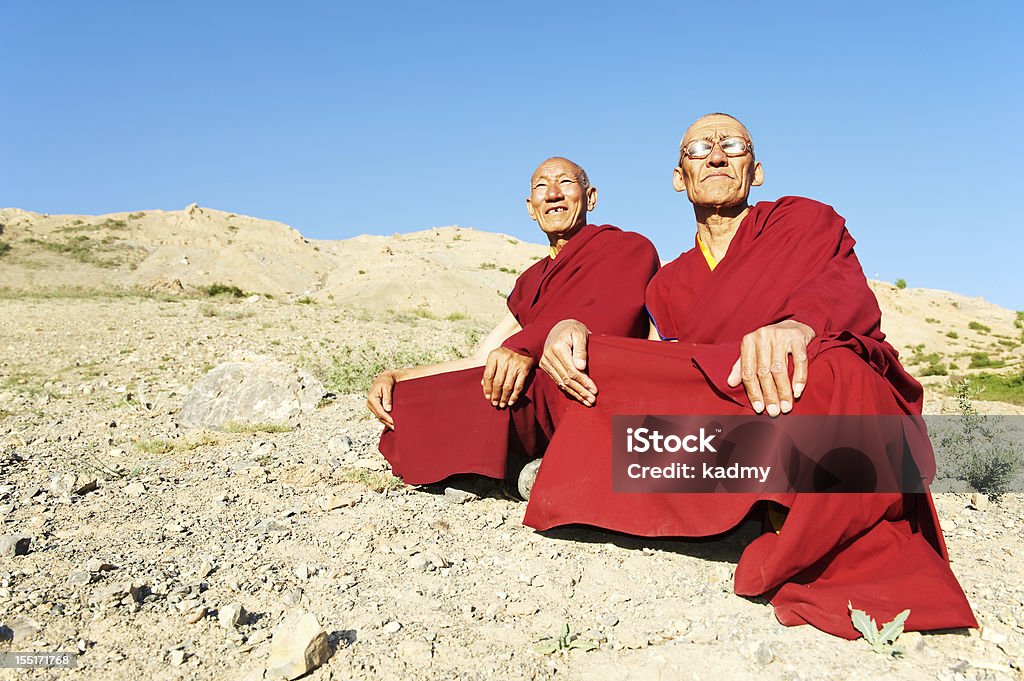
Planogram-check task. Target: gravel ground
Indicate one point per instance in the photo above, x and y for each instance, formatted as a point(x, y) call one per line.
point(138, 572)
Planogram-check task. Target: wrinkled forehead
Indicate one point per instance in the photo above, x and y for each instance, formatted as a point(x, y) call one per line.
point(555, 167)
point(715, 127)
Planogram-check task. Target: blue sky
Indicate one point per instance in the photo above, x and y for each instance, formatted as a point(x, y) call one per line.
point(349, 118)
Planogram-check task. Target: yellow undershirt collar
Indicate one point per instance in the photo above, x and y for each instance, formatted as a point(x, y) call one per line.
point(710, 259)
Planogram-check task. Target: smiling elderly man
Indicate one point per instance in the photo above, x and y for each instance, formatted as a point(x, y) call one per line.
point(489, 413)
point(770, 313)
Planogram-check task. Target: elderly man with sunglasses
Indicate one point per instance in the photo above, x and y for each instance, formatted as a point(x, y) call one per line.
point(770, 312)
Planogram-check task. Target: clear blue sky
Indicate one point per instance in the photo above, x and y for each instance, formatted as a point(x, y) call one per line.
point(348, 118)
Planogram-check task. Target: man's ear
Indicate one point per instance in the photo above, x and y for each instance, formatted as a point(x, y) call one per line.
point(678, 180)
point(591, 198)
point(758, 175)
point(530, 210)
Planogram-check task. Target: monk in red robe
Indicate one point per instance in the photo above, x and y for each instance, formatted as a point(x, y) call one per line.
point(769, 313)
point(490, 413)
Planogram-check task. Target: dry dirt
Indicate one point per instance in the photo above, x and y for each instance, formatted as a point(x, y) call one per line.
point(90, 386)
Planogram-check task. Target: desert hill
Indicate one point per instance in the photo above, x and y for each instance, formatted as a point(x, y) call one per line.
point(438, 272)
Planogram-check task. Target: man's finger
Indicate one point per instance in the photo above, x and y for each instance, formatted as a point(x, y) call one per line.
point(780, 374)
point(488, 378)
point(580, 392)
point(748, 374)
point(507, 386)
point(579, 350)
point(799, 369)
point(766, 378)
point(734, 375)
point(517, 388)
point(498, 384)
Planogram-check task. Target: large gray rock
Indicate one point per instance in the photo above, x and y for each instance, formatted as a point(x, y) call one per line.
point(263, 391)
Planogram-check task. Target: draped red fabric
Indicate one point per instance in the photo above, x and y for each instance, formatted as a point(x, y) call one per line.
point(882, 552)
point(444, 425)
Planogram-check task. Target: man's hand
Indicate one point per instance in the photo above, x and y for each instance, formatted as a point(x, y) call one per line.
point(763, 366)
point(565, 360)
point(505, 375)
point(379, 399)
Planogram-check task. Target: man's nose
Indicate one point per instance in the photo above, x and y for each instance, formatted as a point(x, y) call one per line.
point(554, 192)
point(717, 157)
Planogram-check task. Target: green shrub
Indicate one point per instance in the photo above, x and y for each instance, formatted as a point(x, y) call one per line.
point(979, 327)
point(305, 300)
point(5, 248)
point(981, 360)
point(932, 320)
point(935, 369)
point(1001, 387)
point(901, 283)
point(488, 266)
point(952, 334)
point(219, 289)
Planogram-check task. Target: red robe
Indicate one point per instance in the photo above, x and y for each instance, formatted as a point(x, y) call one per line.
point(791, 259)
point(443, 423)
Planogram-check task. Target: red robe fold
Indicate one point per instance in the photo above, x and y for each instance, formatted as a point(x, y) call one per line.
point(443, 423)
point(791, 259)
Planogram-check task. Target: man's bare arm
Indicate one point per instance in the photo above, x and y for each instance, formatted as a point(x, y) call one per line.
point(382, 388)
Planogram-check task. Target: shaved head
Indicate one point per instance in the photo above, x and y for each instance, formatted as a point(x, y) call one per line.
point(580, 173)
point(706, 127)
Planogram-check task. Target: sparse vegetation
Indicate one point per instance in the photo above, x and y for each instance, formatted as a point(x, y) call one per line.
point(935, 368)
point(154, 446)
point(456, 316)
point(564, 641)
point(5, 248)
point(488, 266)
point(901, 283)
point(240, 427)
point(975, 449)
point(219, 289)
point(933, 320)
point(378, 481)
point(136, 216)
point(952, 334)
point(352, 368)
point(305, 300)
point(979, 327)
point(1001, 387)
point(105, 252)
point(981, 360)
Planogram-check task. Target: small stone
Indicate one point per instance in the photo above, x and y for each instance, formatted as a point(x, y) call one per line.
point(24, 629)
point(763, 654)
point(339, 444)
point(231, 616)
point(994, 634)
point(176, 657)
point(458, 496)
point(610, 620)
point(195, 614)
point(333, 501)
point(79, 578)
point(85, 484)
point(418, 562)
point(299, 645)
point(205, 568)
point(134, 489)
point(979, 501)
point(12, 545)
point(292, 597)
point(261, 449)
point(302, 571)
point(392, 627)
point(98, 565)
point(595, 635)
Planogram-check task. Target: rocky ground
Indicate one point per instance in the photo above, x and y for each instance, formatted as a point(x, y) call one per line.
point(147, 536)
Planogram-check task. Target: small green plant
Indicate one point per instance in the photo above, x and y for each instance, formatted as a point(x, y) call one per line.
point(932, 320)
point(564, 641)
point(362, 271)
point(935, 368)
point(1001, 387)
point(378, 481)
point(246, 427)
point(456, 316)
point(154, 446)
point(305, 300)
point(901, 283)
point(507, 270)
point(952, 334)
point(488, 266)
point(457, 237)
point(514, 242)
point(5, 248)
point(882, 639)
point(975, 450)
point(136, 216)
point(219, 289)
point(979, 327)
